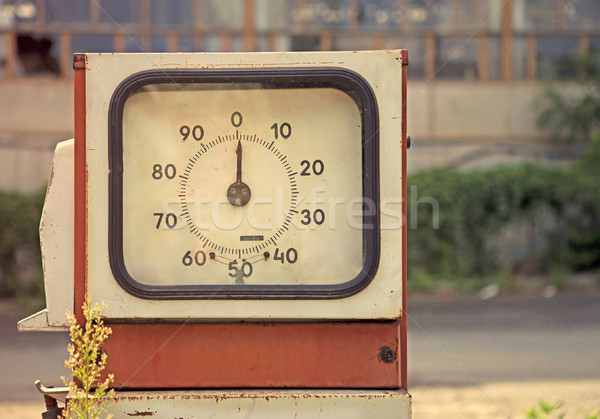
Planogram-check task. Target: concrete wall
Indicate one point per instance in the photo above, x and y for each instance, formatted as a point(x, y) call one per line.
point(35, 114)
point(36, 106)
point(472, 111)
point(456, 123)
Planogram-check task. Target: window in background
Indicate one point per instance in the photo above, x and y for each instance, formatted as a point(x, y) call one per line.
point(519, 58)
point(322, 13)
point(456, 58)
point(212, 43)
point(158, 44)
point(476, 14)
point(582, 14)
point(133, 44)
point(186, 44)
point(273, 43)
point(38, 54)
point(223, 13)
point(68, 12)
point(535, 14)
point(17, 11)
point(118, 11)
point(283, 43)
point(429, 14)
point(305, 43)
point(494, 58)
point(172, 13)
point(237, 44)
point(454, 14)
point(262, 43)
point(557, 58)
point(92, 43)
point(350, 43)
point(416, 54)
point(379, 14)
point(274, 14)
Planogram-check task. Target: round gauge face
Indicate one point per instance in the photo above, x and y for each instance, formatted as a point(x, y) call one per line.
point(255, 183)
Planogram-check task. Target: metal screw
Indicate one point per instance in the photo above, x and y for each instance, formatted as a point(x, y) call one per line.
point(386, 355)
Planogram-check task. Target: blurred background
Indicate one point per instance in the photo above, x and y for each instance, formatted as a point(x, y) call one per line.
point(504, 172)
point(503, 101)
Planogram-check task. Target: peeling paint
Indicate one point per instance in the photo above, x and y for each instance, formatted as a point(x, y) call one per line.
point(137, 413)
point(311, 404)
point(79, 61)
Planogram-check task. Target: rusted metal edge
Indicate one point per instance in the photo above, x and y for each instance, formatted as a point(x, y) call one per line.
point(78, 61)
point(404, 53)
point(403, 320)
point(253, 393)
point(80, 193)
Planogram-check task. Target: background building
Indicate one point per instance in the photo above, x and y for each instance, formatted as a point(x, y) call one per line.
point(476, 66)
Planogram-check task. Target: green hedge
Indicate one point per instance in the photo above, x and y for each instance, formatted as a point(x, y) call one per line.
point(561, 205)
point(20, 261)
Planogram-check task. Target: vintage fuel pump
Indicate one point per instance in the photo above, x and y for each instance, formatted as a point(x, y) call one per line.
point(241, 216)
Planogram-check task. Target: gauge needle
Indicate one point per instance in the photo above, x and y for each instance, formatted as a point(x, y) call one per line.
point(238, 193)
point(238, 153)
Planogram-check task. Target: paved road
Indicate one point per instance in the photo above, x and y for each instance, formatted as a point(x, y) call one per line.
point(450, 342)
point(25, 357)
point(505, 339)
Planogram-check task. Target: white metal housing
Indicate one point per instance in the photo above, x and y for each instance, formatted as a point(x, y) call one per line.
point(382, 299)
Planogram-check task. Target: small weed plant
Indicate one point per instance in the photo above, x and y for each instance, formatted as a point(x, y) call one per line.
point(91, 398)
point(547, 410)
point(543, 411)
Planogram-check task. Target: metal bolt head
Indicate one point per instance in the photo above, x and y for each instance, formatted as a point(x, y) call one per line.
point(386, 355)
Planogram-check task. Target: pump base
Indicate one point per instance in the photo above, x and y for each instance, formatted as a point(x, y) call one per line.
point(264, 404)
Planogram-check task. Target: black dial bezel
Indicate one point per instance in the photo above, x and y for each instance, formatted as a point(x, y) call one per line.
point(342, 79)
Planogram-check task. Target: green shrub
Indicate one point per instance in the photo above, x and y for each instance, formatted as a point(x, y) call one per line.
point(561, 204)
point(20, 262)
point(576, 117)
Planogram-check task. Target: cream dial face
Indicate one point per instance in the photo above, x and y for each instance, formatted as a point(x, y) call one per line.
point(244, 184)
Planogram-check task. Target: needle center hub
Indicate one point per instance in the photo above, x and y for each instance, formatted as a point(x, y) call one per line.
point(238, 194)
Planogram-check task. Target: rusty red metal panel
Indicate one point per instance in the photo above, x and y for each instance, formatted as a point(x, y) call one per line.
point(404, 59)
point(255, 355)
point(80, 193)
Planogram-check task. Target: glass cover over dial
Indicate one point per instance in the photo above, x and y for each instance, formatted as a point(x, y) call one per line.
point(244, 184)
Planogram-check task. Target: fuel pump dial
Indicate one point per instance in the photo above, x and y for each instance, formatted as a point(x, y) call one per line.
point(244, 184)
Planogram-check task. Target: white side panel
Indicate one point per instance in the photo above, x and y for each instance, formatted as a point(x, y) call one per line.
point(56, 240)
point(293, 404)
point(382, 299)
